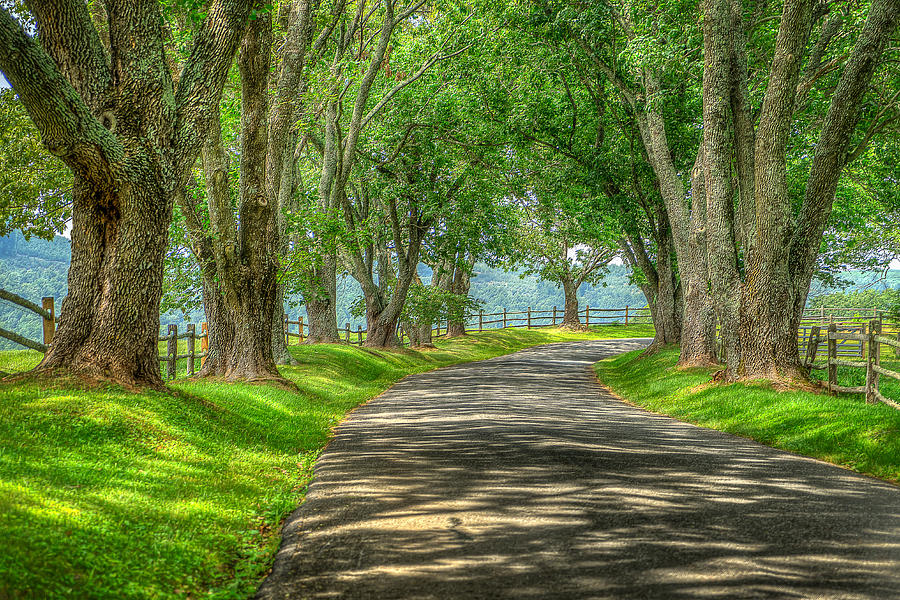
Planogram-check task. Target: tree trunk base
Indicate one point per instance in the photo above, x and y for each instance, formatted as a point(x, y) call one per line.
point(656, 347)
point(695, 363)
point(785, 377)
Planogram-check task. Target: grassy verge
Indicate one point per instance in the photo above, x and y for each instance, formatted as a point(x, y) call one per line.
point(109, 494)
point(842, 430)
point(14, 361)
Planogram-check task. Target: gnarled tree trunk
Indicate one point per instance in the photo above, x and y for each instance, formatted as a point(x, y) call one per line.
point(246, 254)
point(109, 322)
point(112, 112)
point(321, 301)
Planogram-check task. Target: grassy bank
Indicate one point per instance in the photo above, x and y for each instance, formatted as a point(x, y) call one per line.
point(842, 430)
point(109, 494)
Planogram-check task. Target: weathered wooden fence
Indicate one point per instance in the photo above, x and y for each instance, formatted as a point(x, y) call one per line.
point(866, 344)
point(529, 318)
point(848, 337)
point(47, 312)
point(191, 336)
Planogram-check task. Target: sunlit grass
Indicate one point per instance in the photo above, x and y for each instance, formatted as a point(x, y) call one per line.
point(14, 361)
point(110, 494)
point(840, 429)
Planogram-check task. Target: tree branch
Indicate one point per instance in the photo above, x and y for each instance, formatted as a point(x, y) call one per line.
point(203, 77)
point(68, 128)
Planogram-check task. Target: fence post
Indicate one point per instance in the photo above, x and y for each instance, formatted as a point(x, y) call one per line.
point(359, 335)
point(897, 350)
point(822, 314)
point(504, 318)
point(480, 321)
point(49, 324)
point(171, 351)
point(191, 345)
point(554, 316)
point(300, 323)
point(864, 331)
point(529, 318)
point(812, 345)
point(347, 333)
point(587, 315)
point(626, 314)
point(832, 356)
point(873, 358)
point(204, 342)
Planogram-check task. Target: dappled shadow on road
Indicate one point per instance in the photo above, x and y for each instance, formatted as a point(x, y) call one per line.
point(519, 478)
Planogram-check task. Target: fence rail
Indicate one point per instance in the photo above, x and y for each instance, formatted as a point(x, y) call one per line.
point(529, 318)
point(47, 312)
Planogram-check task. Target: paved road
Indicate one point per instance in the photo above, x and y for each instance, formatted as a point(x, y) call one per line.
point(519, 478)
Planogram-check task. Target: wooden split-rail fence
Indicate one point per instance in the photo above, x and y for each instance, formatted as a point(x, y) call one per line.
point(529, 319)
point(46, 311)
point(871, 340)
point(848, 340)
point(296, 331)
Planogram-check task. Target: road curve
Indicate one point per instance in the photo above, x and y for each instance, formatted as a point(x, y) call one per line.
point(519, 477)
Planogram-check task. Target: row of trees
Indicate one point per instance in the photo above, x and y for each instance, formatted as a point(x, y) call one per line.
point(255, 150)
point(718, 148)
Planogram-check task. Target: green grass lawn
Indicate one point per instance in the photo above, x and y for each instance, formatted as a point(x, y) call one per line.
point(14, 361)
point(841, 429)
point(110, 494)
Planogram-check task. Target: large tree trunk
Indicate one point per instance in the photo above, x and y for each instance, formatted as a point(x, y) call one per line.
point(661, 287)
point(321, 301)
point(698, 335)
point(280, 352)
point(250, 356)
point(725, 280)
point(769, 343)
point(247, 258)
point(781, 265)
point(570, 313)
point(109, 322)
point(667, 308)
point(382, 329)
point(381, 318)
point(220, 328)
point(460, 285)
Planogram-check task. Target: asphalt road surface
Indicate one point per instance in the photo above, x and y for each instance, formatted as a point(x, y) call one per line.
point(520, 477)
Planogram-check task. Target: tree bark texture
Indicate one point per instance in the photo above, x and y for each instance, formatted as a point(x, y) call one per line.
point(246, 247)
point(461, 282)
point(725, 279)
point(698, 335)
point(320, 296)
point(660, 286)
point(570, 310)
